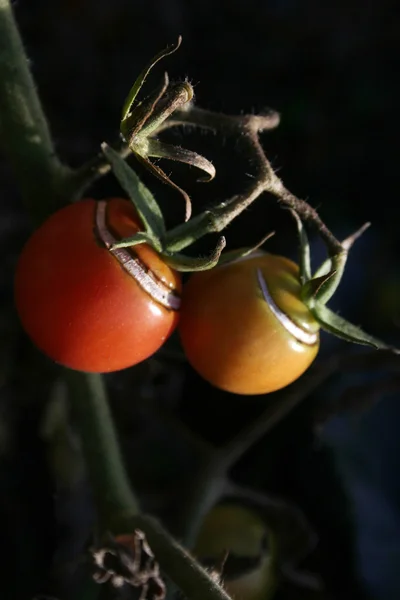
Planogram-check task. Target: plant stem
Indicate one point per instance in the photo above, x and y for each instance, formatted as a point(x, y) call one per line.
point(111, 488)
point(247, 128)
point(24, 132)
point(115, 501)
point(206, 489)
point(181, 567)
point(212, 483)
point(95, 168)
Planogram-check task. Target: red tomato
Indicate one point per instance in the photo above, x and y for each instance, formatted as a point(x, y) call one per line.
point(89, 308)
point(244, 327)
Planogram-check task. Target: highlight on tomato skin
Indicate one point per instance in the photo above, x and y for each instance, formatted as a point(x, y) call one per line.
point(78, 303)
point(233, 329)
point(238, 535)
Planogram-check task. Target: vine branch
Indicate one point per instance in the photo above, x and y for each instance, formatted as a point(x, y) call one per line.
point(247, 128)
point(112, 491)
point(116, 504)
point(212, 480)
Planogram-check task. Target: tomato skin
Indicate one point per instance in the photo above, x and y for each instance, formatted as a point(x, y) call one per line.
point(229, 333)
point(76, 301)
point(240, 532)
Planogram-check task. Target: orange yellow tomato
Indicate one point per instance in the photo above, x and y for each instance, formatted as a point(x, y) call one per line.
point(244, 326)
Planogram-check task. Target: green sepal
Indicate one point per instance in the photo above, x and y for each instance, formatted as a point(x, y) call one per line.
point(174, 97)
point(144, 201)
point(347, 243)
point(321, 286)
point(338, 326)
point(157, 149)
point(135, 89)
point(304, 250)
point(159, 173)
point(323, 269)
point(138, 116)
point(141, 237)
point(183, 263)
point(312, 288)
point(149, 114)
point(235, 255)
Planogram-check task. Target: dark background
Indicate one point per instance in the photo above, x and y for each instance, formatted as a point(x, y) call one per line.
point(330, 70)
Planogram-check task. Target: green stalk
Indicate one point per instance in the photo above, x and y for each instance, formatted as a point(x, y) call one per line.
point(114, 498)
point(116, 504)
point(24, 133)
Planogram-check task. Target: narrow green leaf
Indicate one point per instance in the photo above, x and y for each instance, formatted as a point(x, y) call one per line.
point(183, 263)
point(144, 201)
point(341, 328)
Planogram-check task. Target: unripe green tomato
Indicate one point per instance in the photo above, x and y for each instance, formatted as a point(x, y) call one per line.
point(240, 532)
point(244, 326)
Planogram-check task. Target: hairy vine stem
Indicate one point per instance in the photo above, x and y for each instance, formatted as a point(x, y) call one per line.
point(24, 132)
point(247, 128)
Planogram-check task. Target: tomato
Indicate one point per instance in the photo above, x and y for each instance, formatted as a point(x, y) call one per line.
point(238, 534)
point(244, 327)
point(88, 307)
